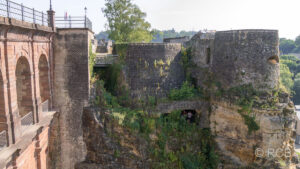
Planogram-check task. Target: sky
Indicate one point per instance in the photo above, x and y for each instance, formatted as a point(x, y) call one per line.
point(193, 14)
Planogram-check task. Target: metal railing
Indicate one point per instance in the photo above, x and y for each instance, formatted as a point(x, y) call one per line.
point(45, 106)
point(73, 22)
point(20, 12)
point(3, 139)
point(27, 119)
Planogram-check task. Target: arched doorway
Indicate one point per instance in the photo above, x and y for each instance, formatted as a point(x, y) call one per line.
point(24, 90)
point(3, 125)
point(44, 82)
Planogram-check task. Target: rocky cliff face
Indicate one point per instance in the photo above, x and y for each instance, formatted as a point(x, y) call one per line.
point(109, 145)
point(272, 142)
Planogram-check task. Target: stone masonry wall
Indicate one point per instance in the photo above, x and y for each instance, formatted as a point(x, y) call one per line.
point(153, 68)
point(71, 94)
point(202, 48)
point(246, 56)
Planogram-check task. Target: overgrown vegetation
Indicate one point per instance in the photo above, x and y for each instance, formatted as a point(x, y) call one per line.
point(186, 56)
point(182, 145)
point(187, 91)
point(111, 79)
point(92, 61)
point(247, 98)
point(158, 35)
point(289, 46)
point(289, 76)
point(121, 50)
point(173, 142)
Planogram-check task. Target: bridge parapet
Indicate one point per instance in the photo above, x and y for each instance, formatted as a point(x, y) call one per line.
point(20, 12)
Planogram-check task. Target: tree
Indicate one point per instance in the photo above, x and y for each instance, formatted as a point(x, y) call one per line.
point(286, 45)
point(297, 40)
point(126, 22)
point(296, 97)
point(286, 77)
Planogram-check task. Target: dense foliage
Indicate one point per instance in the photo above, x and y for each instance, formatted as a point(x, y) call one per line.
point(126, 22)
point(187, 91)
point(178, 144)
point(296, 97)
point(158, 35)
point(289, 75)
point(286, 78)
point(289, 46)
point(92, 57)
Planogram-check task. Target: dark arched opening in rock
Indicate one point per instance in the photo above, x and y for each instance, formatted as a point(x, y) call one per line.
point(189, 115)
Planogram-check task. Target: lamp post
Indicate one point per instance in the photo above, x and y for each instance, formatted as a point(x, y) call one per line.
point(51, 17)
point(50, 5)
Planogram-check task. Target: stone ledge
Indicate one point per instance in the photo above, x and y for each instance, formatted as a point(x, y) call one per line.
point(181, 105)
point(22, 24)
point(249, 30)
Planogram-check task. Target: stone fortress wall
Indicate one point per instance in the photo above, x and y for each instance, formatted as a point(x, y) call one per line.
point(246, 56)
point(153, 68)
point(232, 58)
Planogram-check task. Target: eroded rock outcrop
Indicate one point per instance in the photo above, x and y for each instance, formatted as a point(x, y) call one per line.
point(109, 145)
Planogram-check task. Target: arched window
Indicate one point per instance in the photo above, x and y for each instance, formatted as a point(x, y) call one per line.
point(44, 79)
point(3, 122)
point(24, 87)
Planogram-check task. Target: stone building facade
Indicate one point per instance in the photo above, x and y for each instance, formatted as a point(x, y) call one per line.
point(44, 80)
point(26, 92)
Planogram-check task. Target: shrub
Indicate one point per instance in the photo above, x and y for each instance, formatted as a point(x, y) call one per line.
point(187, 91)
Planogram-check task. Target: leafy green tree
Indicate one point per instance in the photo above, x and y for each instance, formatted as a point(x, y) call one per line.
point(286, 45)
point(296, 97)
point(126, 22)
point(297, 40)
point(289, 57)
point(286, 77)
point(160, 35)
point(292, 62)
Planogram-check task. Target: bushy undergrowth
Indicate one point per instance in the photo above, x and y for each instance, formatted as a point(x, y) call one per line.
point(177, 144)
point(173, 142)
point(92, 57)
point(181, 144)
point(187, 91)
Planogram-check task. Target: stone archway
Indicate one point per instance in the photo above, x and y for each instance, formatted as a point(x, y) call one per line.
point(24, 87)
point(2, 102)
point(44, 79)
point(3, 121)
